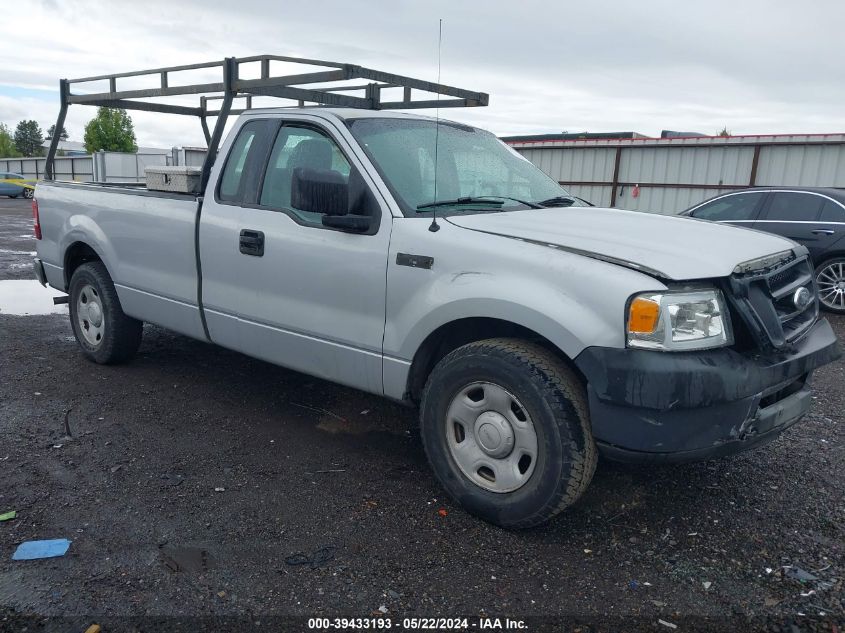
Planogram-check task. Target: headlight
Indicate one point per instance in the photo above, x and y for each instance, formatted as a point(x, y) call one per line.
point(678, 321)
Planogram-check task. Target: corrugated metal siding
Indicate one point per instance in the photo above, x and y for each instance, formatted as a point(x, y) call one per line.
point(582, 164)
point(114, 166)
point(67, 167)
point(585, 167)
point(687, 165)
point(807, 165)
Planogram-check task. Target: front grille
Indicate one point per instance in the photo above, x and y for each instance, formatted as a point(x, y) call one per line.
point(765, 299)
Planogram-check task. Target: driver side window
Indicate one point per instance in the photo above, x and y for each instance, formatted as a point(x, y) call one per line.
point(299, 147)
point(731, 208)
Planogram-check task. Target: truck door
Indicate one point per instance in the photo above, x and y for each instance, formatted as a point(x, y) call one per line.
point(276, 283)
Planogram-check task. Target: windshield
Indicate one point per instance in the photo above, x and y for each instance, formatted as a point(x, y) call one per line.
point(474, 168)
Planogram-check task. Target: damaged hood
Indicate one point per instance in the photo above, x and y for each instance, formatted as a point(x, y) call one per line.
point(670, 247)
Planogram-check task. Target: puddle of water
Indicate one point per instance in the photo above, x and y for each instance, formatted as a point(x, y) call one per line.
point(7, 251)
point(27, 297)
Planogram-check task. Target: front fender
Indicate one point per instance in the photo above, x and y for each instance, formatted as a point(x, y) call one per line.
point(571, 300)
point(553, 322)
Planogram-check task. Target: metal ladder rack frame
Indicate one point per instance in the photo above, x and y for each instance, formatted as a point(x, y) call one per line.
point(299, 87)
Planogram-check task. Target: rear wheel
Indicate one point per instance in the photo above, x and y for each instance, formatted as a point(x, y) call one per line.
point(27, 193)
point(14, 195)
point(506, 428)
point(105, 334)
point(830, 279)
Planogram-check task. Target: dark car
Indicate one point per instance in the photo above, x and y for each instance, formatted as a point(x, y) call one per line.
point(812, 216)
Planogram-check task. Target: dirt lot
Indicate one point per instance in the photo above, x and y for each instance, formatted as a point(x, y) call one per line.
point(193, 473)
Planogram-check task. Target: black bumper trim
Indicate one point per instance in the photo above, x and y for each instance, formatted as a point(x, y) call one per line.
point(670, 380)
point(656, 406)
point(40, 275)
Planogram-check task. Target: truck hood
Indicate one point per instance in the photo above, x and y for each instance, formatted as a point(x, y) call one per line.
point(669, 247)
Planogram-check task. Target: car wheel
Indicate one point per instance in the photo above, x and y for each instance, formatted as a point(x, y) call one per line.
point(27, 193)
point(14, 195)
point(506, 428)
point(105, 334)
point(830, 279)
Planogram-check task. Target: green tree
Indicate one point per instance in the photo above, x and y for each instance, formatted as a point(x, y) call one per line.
point(111, 130)
point(7, 143)
point(63, 136)
point(725, 131)
point(28, 138)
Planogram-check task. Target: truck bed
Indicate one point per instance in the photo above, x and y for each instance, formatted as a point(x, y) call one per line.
point(154, 233)
point(128, 188)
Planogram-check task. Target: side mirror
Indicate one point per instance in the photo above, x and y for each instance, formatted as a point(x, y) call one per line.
point(347, 206)
point(319, 191)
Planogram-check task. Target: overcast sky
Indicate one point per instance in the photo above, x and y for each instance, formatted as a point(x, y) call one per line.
point(755, 66)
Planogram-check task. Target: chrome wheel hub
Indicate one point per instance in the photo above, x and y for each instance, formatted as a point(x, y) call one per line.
point(89, 315)
point(831, 283)
point(491, 437)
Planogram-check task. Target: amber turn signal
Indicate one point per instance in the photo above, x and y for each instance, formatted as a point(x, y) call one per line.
point(643, 316)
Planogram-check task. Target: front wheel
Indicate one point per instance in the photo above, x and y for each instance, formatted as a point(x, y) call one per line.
point(14, 195)
point(27, 193)
point(506, 428)
point(105, 334)
point(830, 279)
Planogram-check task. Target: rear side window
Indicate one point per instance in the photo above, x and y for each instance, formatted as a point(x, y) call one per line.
point(241, 156)
point(832, 212)
point(740, 206)
point(788, 206)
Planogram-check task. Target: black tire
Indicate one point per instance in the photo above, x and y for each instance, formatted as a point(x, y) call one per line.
point(122, 334)
point(13, 195)
point(28, 193)
point(838, 264)
point(556, 401)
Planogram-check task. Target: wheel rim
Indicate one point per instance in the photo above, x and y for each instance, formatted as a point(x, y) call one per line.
point(89, 315)
point(831, 282)
point(491, 437)
point(27, 193)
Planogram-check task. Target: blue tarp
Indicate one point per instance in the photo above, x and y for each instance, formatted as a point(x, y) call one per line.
point(31, 550)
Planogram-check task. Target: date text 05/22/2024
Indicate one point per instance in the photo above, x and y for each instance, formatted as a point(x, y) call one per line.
point(417, 624)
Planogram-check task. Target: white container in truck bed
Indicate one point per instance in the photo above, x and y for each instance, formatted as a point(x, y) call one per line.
point(177, 179)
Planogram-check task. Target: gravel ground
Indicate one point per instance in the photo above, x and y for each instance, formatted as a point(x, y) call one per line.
point(192, 474)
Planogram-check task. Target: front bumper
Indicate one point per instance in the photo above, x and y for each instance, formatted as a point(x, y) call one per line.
point(683, 406)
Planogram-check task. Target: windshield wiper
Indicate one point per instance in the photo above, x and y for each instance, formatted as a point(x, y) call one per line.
point(558, 201)
point(497, 200)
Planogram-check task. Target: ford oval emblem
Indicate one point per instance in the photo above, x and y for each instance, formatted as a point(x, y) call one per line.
point(802, 298)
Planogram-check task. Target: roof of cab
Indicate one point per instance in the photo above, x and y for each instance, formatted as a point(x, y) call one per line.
point(346, 114)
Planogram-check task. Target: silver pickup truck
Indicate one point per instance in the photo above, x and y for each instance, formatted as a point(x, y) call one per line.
point(425, 261)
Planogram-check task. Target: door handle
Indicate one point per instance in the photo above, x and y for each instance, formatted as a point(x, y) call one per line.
point(251, 242)
point(823, 231)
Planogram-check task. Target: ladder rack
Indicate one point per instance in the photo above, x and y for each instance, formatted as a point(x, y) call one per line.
point(304, 87)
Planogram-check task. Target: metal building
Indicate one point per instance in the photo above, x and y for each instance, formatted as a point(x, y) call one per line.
point(104, 166)
point(671, 174)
